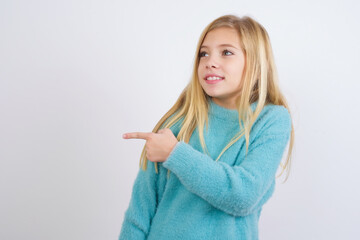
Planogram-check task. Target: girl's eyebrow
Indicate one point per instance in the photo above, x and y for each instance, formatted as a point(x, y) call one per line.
point(221, 45)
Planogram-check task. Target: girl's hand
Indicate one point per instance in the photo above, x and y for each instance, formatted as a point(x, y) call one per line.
point(158, 145)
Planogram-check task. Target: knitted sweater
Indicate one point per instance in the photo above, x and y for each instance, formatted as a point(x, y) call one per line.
point(204, 198)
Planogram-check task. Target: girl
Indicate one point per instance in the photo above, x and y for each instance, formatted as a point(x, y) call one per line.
point(214, 154)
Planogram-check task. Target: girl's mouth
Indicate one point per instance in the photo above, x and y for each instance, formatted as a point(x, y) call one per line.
point(213, 80)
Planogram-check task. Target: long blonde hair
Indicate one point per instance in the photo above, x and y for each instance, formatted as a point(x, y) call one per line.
point(259, 84)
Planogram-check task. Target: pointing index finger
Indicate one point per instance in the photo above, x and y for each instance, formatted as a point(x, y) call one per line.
point(136, 135)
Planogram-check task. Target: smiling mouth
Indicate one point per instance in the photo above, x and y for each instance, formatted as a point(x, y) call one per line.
point(213, 81)
point(213, 78)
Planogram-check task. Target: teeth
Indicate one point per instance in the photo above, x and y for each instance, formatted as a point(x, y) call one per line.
point(213, 78)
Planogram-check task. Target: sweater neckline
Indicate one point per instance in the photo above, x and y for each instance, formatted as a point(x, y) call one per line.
point(218, 111)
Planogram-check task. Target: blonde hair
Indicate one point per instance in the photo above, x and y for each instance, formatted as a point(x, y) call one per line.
point(259, 84)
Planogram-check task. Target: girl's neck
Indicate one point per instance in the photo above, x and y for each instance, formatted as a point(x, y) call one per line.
point(219, 111)
point(225, 104)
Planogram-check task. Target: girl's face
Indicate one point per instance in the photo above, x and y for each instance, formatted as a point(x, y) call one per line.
point(221, 66)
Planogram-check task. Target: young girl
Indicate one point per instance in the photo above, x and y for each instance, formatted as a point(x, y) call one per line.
point(214, 154)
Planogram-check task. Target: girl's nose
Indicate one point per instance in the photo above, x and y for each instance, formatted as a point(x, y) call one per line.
point(212, 63)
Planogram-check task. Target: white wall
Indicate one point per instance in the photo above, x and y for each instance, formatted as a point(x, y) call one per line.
point(75, 75)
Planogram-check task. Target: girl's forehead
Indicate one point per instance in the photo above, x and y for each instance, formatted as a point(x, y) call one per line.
point(221, 36)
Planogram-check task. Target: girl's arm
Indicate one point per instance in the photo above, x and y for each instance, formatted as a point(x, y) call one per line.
point(237, 190)
point(145, 196)
point(142, 205)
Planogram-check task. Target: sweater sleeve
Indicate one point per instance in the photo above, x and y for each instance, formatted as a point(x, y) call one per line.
point(145, 196)
point(142, 207)
point(237, 190)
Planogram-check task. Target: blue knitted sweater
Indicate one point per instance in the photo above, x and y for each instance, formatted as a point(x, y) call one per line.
point(204, 198)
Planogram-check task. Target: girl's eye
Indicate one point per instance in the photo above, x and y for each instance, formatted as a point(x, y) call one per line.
point(227, 53)
point(203, 54)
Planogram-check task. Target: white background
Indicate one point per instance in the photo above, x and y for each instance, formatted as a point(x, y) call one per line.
point(75, 75)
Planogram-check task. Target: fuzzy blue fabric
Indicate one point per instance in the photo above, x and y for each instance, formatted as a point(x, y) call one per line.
point(204, 198)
